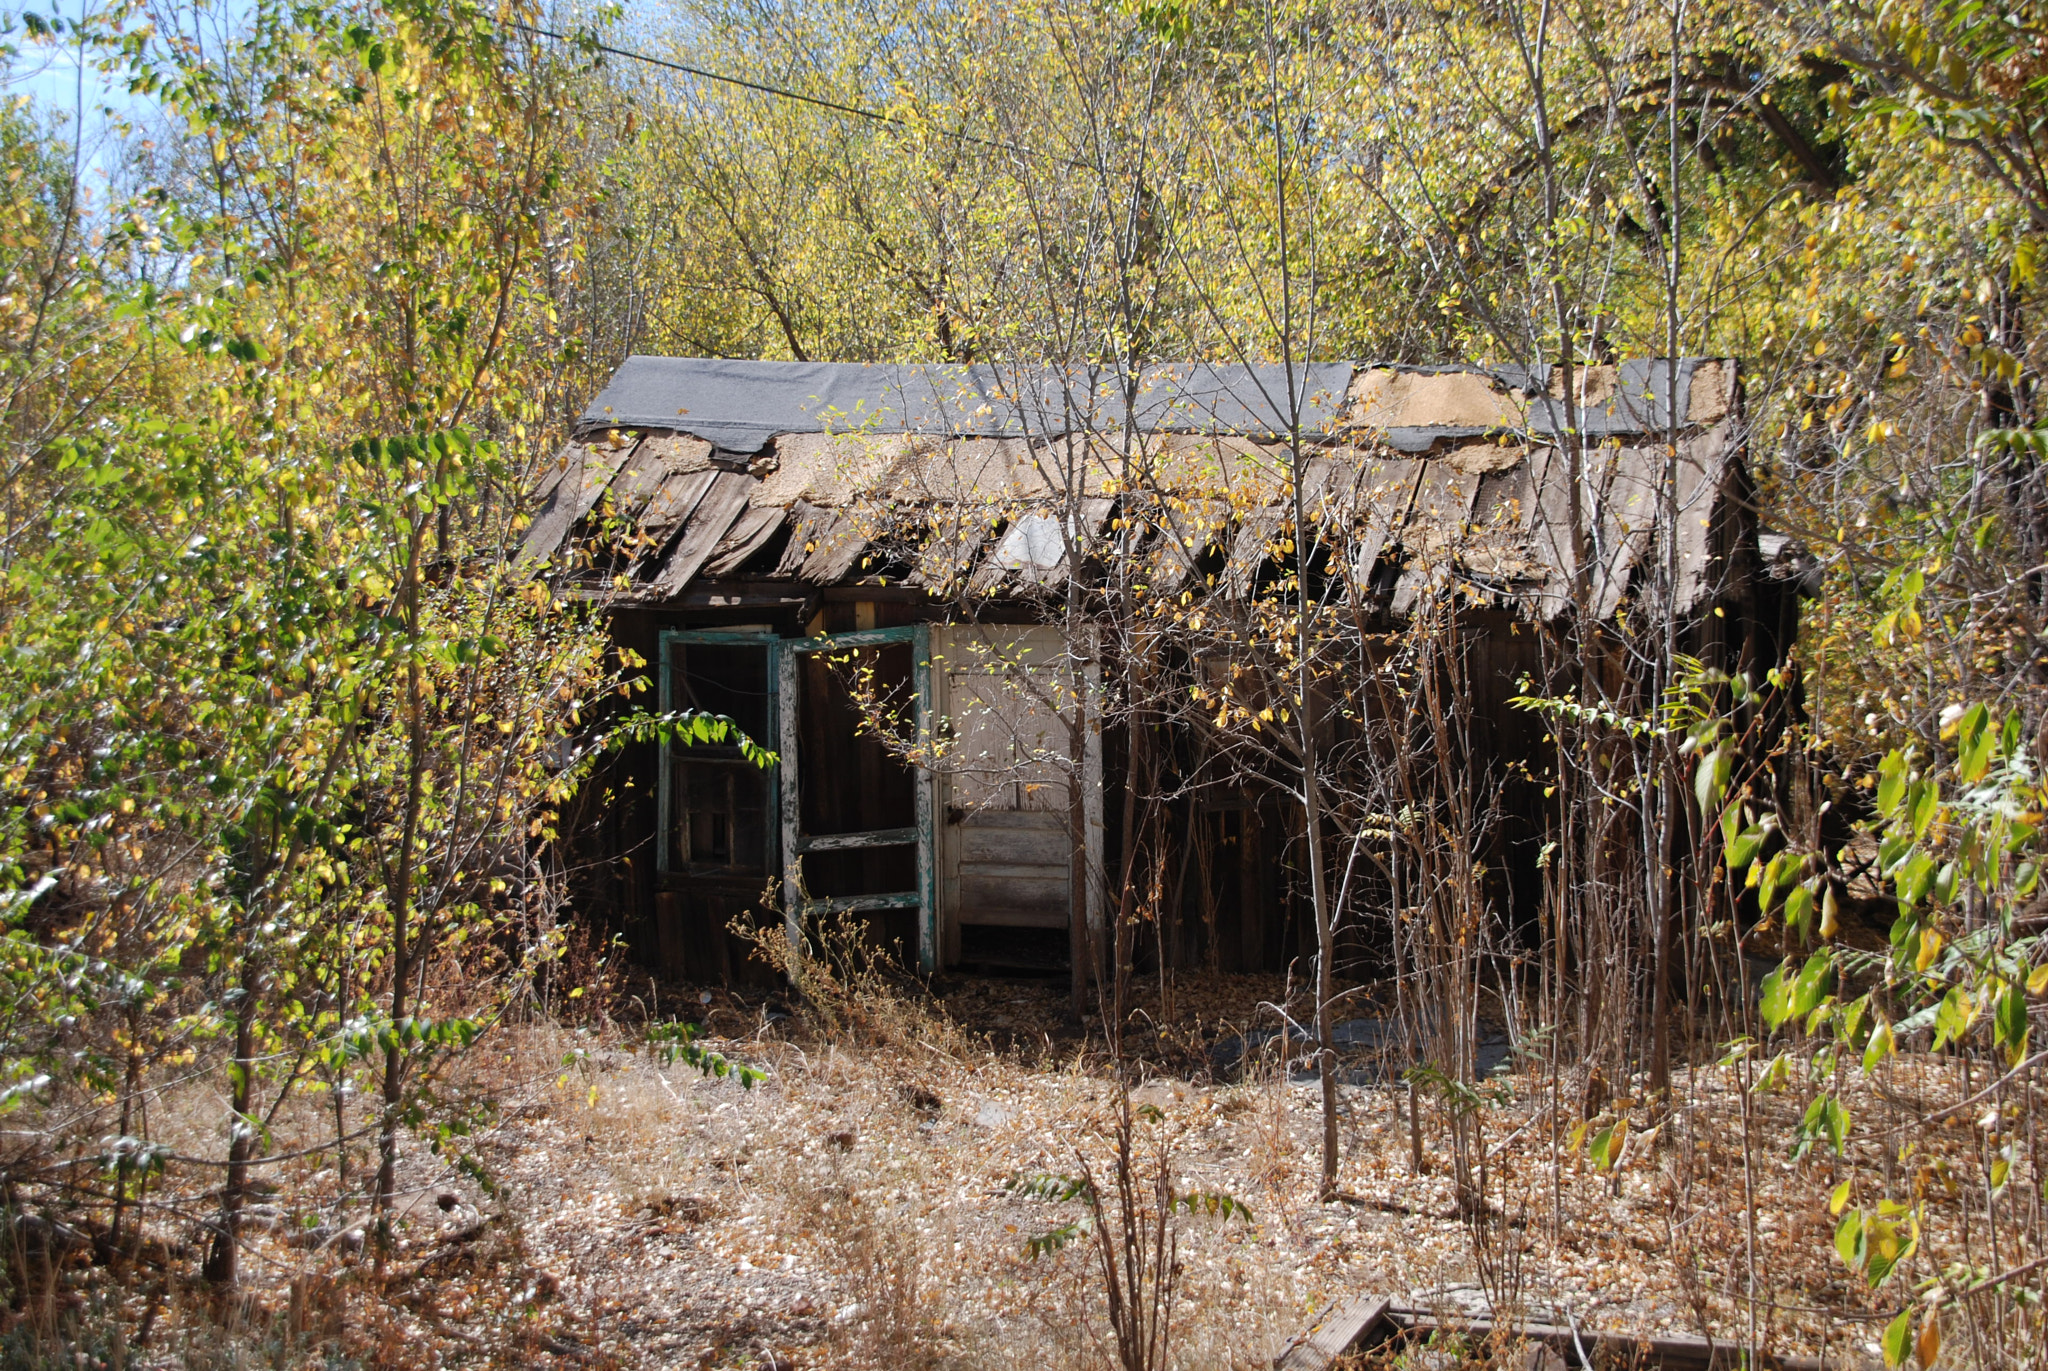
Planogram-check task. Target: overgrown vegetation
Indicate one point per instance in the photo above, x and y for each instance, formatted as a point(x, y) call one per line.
point(286, 725)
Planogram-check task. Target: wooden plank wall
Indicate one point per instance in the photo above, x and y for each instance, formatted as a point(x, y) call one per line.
point(1241, 902)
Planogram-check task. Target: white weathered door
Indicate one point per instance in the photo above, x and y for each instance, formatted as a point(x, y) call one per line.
point(1003, 696)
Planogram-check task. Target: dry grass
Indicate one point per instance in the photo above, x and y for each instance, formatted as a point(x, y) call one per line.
point(858, 1210)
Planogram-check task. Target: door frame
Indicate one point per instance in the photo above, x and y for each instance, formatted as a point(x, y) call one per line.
point(795, 904)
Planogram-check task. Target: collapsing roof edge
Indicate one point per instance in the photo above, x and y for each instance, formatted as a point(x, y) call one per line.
point(1453, 472)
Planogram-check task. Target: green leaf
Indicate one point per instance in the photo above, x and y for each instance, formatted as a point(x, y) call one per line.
point(1852, 1019)
point(2009, 1023)
point(1974, 745)
point(1944, 887)
point(1050, 1188)
point(1776, 1003)
point(1608, 1143)
point(1825, 1118)
point(1046, 1244)
point(1742, 850)
point(1913, 879)
point(1898, 1337)
point(1781, 870)
point(1923, 804)
point(1798, 908)
point(1891, 782)
point(1879, 1047)
point(1849, 1239)
point(1811, 987)
point(1953, 1019)
point(1710, 778)
point(1215, 1204)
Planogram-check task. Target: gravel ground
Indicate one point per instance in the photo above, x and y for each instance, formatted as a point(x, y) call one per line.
point(868, 1206)
point(861, 1206)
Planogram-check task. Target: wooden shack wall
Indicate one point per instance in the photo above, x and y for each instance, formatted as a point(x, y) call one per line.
point(1232, 879)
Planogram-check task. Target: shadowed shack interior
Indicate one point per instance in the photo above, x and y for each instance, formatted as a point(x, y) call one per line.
point(1013, 634)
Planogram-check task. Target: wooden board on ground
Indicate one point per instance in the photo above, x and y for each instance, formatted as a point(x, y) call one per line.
point(1363, 1324)
point(1342, 1327)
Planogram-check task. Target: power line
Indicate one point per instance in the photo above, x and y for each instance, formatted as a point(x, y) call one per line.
point(591, 41)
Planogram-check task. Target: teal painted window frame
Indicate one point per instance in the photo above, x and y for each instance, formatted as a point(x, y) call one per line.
point(666, 685)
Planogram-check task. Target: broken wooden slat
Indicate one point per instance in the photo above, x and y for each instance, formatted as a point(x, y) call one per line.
point(568, 463)
point(1340, 1328)
point(851, 904)
point(809, 525)
point(1547, 517)
point(842, 842)
point(1095, 512)
point(682, 470)
point(672, 504)
point(1443, 497)
point(743, 540)
point(714, 516)
point(1703, 463)
point(658, 489)
point(1328, 483)
point(1385, 490)
point(586, 470)
point(1033, 549)
point(838, 547)
point(1026, 536)
point(1503, 497)
point(1435, 528)
point(641, 475)
point(1627, 500)
point(1619, 489)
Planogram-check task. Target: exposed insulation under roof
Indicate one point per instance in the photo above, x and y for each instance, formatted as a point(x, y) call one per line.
point(688, 469)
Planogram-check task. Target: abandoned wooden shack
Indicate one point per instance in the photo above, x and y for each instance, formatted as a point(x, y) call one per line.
point(789, 544)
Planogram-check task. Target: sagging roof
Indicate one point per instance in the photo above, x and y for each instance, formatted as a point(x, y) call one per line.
point(687, 469)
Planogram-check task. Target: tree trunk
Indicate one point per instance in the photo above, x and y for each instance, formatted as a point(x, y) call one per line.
point(223, 1260)
point(401, 878)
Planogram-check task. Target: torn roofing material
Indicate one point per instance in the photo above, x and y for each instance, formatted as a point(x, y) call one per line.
point(1430, 478)
point(740, 406)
